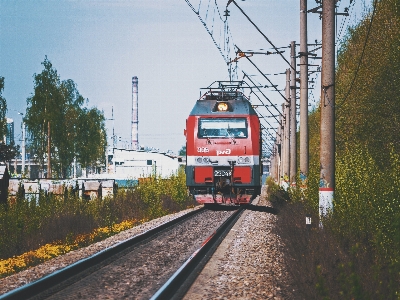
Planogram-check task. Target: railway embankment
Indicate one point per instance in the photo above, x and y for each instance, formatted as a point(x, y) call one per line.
point(34, 273)
point(329, 261)
point(250, 262)
point(270, 253)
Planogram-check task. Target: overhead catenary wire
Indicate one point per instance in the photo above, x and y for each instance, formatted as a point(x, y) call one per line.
point(362, 55)
point(258, 29)
point(266, 129)
point(262, 74)
point(205, 26)
point(266, 121)
point(226, 49)
point(268, 146)
point(345, 20)
point(267, 132)
point(270, 137)
point(264, 118)
point(273, 105)
point(340, 36)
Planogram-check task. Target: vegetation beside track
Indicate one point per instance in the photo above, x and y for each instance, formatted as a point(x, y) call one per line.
point(357, 253)
point(35, 231)
point(334, 262)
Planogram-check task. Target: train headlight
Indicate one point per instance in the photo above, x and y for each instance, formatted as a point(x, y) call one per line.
point(203, 160)
point(243, 160)
point(222, 106)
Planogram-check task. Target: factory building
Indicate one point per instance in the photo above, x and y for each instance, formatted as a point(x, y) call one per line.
point(138, 164)
point(134, 163)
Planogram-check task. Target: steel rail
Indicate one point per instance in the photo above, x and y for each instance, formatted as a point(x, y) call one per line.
point(179, 283)
point(34, 288)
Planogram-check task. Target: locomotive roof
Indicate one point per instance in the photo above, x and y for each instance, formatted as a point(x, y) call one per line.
point(239, 106)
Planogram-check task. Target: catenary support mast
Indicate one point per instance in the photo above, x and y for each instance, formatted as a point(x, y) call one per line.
point(304, 150)
point(286, 159)
point(327, 154)
point(293, 123)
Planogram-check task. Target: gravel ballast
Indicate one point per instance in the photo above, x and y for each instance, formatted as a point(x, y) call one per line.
point(248, 264)
point(142, 270)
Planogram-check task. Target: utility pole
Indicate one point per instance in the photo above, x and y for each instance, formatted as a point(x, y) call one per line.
point(327, 154)
point(278, 144)
point(304, 150)
point(293, 123)
point(48, 151)
point(286, 171)
point(74, 176)
point(23, 148)
point(280, 148)
point(283, 142)
point(23, 143)
point(273, 162)
point(113, 134)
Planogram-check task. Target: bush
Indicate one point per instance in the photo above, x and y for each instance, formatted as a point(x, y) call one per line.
point(30, 223)
point(356, 254)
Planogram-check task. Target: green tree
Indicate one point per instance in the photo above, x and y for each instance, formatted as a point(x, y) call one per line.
point(182, 152)
point(367, 81)
point(92, 140)
point(67, 133)
point(44, 111)
point(7, 152)
point(55, 115)
point(3, 109)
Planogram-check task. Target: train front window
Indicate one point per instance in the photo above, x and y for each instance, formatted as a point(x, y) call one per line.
point(223, 128)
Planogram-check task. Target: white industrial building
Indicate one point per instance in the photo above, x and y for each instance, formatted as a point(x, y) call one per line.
point(134, 164)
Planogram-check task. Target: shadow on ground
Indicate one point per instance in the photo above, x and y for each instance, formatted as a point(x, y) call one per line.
point(267, 209)
point(219, 207)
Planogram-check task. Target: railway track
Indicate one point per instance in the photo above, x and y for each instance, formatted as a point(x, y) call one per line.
point(179, 283)
point(64, 275)
point(135, 268)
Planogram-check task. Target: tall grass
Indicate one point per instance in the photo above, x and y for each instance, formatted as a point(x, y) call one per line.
point(356, 255)
point(367, 219)
point(27, 224)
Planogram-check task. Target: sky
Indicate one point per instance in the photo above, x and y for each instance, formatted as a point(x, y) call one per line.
point(102, 44)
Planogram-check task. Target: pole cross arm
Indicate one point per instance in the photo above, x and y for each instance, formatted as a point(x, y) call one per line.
point(315, 10)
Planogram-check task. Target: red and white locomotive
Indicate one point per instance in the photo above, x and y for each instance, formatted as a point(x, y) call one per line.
point(223, 147)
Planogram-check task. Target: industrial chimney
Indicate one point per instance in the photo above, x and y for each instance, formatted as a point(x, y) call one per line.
point(135, 119)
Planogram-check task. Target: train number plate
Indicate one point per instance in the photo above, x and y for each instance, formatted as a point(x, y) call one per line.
point(222, 172)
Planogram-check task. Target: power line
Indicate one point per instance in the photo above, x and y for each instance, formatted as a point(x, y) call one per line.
point(362, 54)
point(227, 48)
point(268, 40)
point(273, 105)
point(263, 75)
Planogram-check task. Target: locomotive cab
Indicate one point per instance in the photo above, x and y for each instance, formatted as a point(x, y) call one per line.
point(223, 149)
